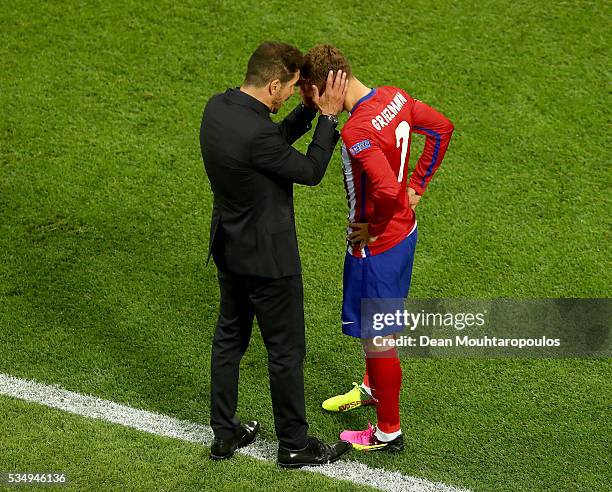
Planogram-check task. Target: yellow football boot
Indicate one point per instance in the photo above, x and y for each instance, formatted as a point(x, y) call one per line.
point(354, 398)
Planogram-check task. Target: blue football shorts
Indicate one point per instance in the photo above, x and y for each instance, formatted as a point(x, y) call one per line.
point(384, 277)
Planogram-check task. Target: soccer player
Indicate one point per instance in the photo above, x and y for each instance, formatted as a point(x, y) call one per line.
point(382, 232)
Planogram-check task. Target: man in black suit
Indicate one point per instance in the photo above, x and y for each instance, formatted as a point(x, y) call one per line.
point(252, 167)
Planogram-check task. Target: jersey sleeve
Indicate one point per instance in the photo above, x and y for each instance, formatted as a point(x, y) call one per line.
point(382, 181)
point(438, 131)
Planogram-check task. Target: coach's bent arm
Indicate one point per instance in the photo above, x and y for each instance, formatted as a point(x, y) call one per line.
point(297, 123)
point(270, 153)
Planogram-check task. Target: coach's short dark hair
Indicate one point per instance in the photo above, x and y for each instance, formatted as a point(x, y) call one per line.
point(272, 60)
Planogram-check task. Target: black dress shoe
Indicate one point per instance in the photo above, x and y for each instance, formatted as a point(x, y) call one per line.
point(223, 449)
point(315, 453)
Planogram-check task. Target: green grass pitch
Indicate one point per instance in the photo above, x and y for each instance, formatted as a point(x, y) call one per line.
point(104, 210)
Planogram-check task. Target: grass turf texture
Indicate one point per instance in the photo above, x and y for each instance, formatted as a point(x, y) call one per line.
point(105, 210)
point(100, 456)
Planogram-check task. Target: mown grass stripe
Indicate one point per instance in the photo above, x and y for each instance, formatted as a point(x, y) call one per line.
point(164, 425)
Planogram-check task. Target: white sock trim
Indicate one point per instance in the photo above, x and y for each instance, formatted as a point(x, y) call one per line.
point(384, 437)
point(367, 389)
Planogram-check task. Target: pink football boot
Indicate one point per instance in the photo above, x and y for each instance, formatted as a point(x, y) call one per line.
point(365, 440)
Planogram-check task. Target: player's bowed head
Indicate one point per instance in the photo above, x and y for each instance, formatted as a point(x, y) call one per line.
point(273, 72)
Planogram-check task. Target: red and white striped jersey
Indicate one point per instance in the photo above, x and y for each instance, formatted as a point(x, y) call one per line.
point(375, 156)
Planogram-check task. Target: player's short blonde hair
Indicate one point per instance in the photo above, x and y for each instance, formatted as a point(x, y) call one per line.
point(319, 61)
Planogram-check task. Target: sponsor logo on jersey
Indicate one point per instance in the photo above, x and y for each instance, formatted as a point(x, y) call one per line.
point(359, 146)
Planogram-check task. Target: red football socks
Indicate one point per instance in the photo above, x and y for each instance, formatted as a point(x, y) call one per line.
point(384, 372)
point(366, 378)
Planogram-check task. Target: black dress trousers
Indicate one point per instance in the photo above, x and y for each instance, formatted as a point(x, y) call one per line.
point(278, 306)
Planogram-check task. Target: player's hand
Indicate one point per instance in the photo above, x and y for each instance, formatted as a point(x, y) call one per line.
point(360, 234)
point(332, 100)
point(413, 198)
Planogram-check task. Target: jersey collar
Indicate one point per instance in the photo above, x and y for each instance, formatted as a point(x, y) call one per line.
point(364, 98)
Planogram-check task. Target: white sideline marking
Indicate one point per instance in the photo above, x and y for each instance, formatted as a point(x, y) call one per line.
point(163, 425)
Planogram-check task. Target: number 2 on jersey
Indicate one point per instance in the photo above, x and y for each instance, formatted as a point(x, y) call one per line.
point(402, 134)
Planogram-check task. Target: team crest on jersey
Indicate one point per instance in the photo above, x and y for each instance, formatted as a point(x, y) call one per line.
point(359, 146)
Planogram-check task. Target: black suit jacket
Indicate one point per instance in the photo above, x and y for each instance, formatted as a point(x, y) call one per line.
point(252, 166)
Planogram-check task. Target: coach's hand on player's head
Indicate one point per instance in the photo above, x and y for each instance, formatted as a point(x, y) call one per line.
point(360, 235)
point(332, 99)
